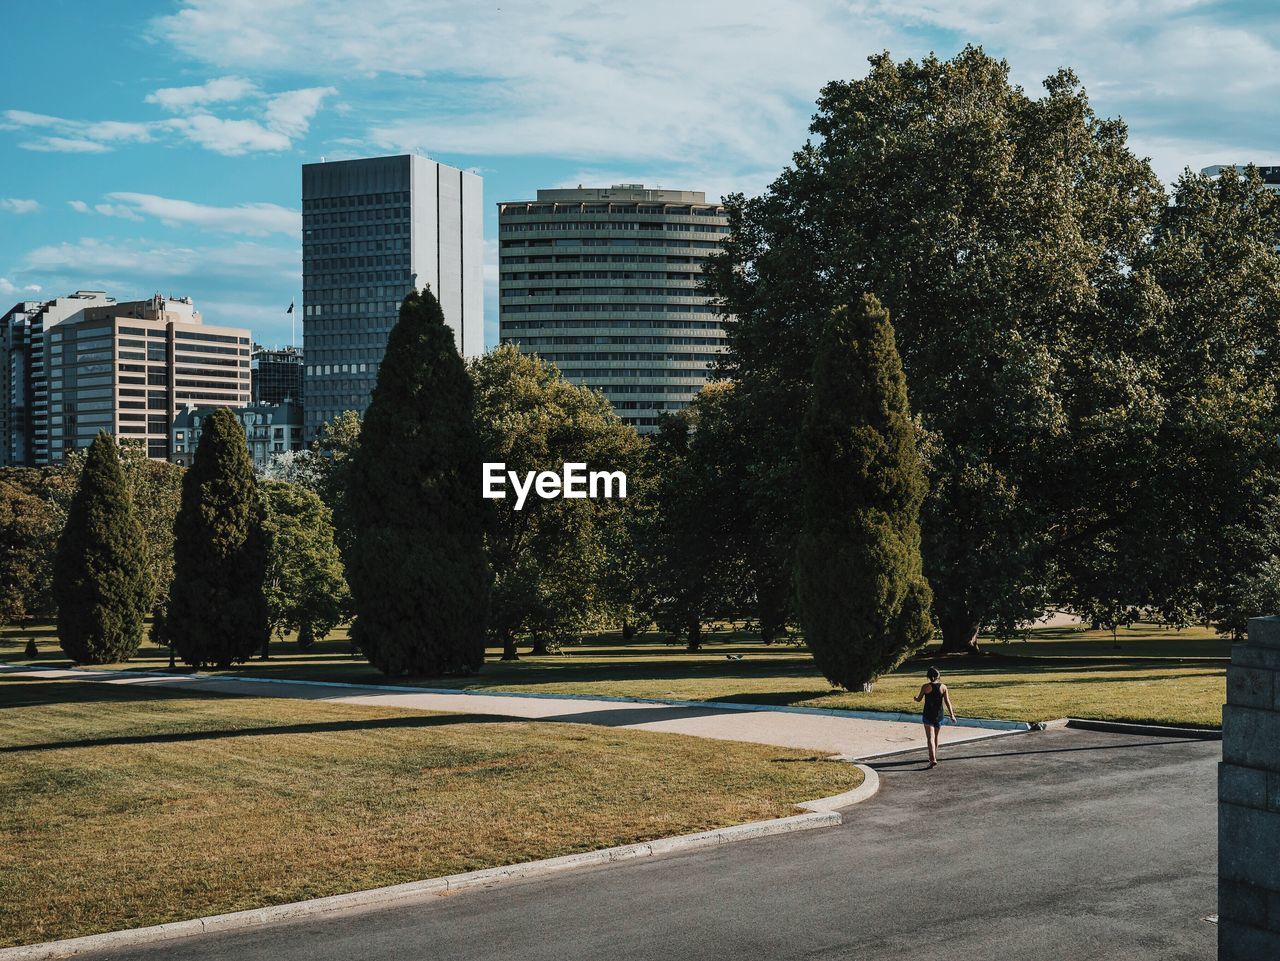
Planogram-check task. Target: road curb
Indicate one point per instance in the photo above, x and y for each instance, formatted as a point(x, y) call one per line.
point(869, 758)
point(868, 788)
point(898, 716)
point(1147, 730)
point(820, 813)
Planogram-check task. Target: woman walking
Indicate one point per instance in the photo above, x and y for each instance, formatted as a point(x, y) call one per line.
point(935, 696)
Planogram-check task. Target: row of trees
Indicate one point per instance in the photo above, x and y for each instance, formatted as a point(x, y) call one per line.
point(216, 560)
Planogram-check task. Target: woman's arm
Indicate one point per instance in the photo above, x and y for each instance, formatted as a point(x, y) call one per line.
point(921, 694)
point(946, 699)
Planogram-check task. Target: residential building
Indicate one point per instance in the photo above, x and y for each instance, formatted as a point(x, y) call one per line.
point(373, 230)
point(270, 430)
point(605, 283)
point(93, 364)
point(24, 401)
point(276, 375)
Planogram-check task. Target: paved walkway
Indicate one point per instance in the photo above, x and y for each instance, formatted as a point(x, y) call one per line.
point(849, 737)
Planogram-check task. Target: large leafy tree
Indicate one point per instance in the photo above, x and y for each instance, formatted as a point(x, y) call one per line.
point(29, 526)
point(102, 580)
point(695, 534)
point(217, 612)
point(305, 586)
point(551, 558)
point(863, 600)
point(1185, 471)
point(997, 229)
point(417, 569)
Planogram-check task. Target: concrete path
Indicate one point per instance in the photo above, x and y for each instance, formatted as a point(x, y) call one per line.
point(850, 737)
point(1064, 845)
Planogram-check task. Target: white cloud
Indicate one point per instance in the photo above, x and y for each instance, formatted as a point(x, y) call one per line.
point(16, 205)
point(731, 89)
point(229, 137)
point(220, 90)
point(282, 118)
point(157, 262)
point(255, 219)
point(9, 288)
point(290, 113)
point(79, 206)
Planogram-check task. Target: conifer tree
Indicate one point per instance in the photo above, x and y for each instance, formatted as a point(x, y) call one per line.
point(101, 577)
point(862, 596)
point(417, 570)
point(217, 611)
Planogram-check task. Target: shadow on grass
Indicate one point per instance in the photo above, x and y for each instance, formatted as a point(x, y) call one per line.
point(39, 692)
point(317, 727)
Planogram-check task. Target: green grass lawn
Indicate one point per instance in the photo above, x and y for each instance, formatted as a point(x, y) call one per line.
point(1156, 674)
point(127, 806)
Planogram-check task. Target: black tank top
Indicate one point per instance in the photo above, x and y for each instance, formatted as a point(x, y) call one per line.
point(933, 703)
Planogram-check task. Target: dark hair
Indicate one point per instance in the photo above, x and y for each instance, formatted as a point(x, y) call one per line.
point(932, 674)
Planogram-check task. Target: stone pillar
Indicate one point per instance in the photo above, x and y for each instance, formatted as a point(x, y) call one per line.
point(1249, 799)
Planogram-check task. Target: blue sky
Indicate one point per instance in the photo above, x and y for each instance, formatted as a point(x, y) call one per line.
point(155, 146)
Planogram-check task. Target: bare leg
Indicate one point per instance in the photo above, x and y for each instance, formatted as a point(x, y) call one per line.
point(931, 737)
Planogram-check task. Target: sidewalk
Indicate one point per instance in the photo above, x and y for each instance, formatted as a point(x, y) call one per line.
point(851, 737)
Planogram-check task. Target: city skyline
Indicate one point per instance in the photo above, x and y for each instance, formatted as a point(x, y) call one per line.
point(180, 175)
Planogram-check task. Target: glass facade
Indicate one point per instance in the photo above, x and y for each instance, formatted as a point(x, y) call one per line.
point(373, 230)
point(605, 284)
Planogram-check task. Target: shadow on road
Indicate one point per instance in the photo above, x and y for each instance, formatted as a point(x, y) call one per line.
point(951, 758)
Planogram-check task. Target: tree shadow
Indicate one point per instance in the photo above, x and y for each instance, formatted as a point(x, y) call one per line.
point(316, 727)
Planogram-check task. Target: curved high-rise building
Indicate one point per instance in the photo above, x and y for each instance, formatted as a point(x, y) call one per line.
point(604, 283)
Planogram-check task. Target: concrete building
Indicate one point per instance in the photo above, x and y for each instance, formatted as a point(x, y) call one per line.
point(605, 284)
point(24, 403)
point(276, 375)
point(373, 230)
point(270, 430)
point(94, 364)
point(1270, 175)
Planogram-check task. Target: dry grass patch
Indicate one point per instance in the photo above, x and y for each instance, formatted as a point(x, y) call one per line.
point(134, 805)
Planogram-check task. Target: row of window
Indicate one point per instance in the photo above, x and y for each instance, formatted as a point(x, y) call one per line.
point(563, 209)
point(379, 216)
point(655, 357)
point(602, 292)
point(673, 341)
point(606, 373)
point(318, 251)
point(324, 370)
point(507, 276)
point(611, 242)
point(563, 308)
point(676, 323)
point(615, 225)
point(355, 201)
point(604, 259)
point(333, 265)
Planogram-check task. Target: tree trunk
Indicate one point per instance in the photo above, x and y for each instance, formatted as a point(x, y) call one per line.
point(693, 634)
point(266, 648)
point(959, 633)
point(628, 630)
point(539, 648)
point(509, 652)
point(173, 661)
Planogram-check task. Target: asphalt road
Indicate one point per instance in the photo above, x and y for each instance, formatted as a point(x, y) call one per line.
point(1063, 845)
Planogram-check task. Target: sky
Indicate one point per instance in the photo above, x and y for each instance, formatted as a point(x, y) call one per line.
point(150, 146)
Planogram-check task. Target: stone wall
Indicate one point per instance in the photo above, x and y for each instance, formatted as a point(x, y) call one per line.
point(1249, 799)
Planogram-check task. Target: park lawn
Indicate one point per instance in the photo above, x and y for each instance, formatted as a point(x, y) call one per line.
point(129, 805)
point(1155, 675)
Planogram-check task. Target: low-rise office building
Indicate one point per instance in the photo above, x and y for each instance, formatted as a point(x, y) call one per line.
point(87, 363)
point(270, 430)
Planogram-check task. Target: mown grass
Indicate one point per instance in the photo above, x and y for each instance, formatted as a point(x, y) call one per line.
point(128, 805)
point(1155, 674)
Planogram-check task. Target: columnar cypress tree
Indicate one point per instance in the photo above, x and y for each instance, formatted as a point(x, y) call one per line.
point(217, 610)
point(101, 579)
point(862, 595)
point(417, 570)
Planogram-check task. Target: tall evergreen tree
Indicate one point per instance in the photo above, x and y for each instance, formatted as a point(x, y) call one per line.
point(863, 599)
point(217, 609)
point(416, 564)
point(101, 577)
